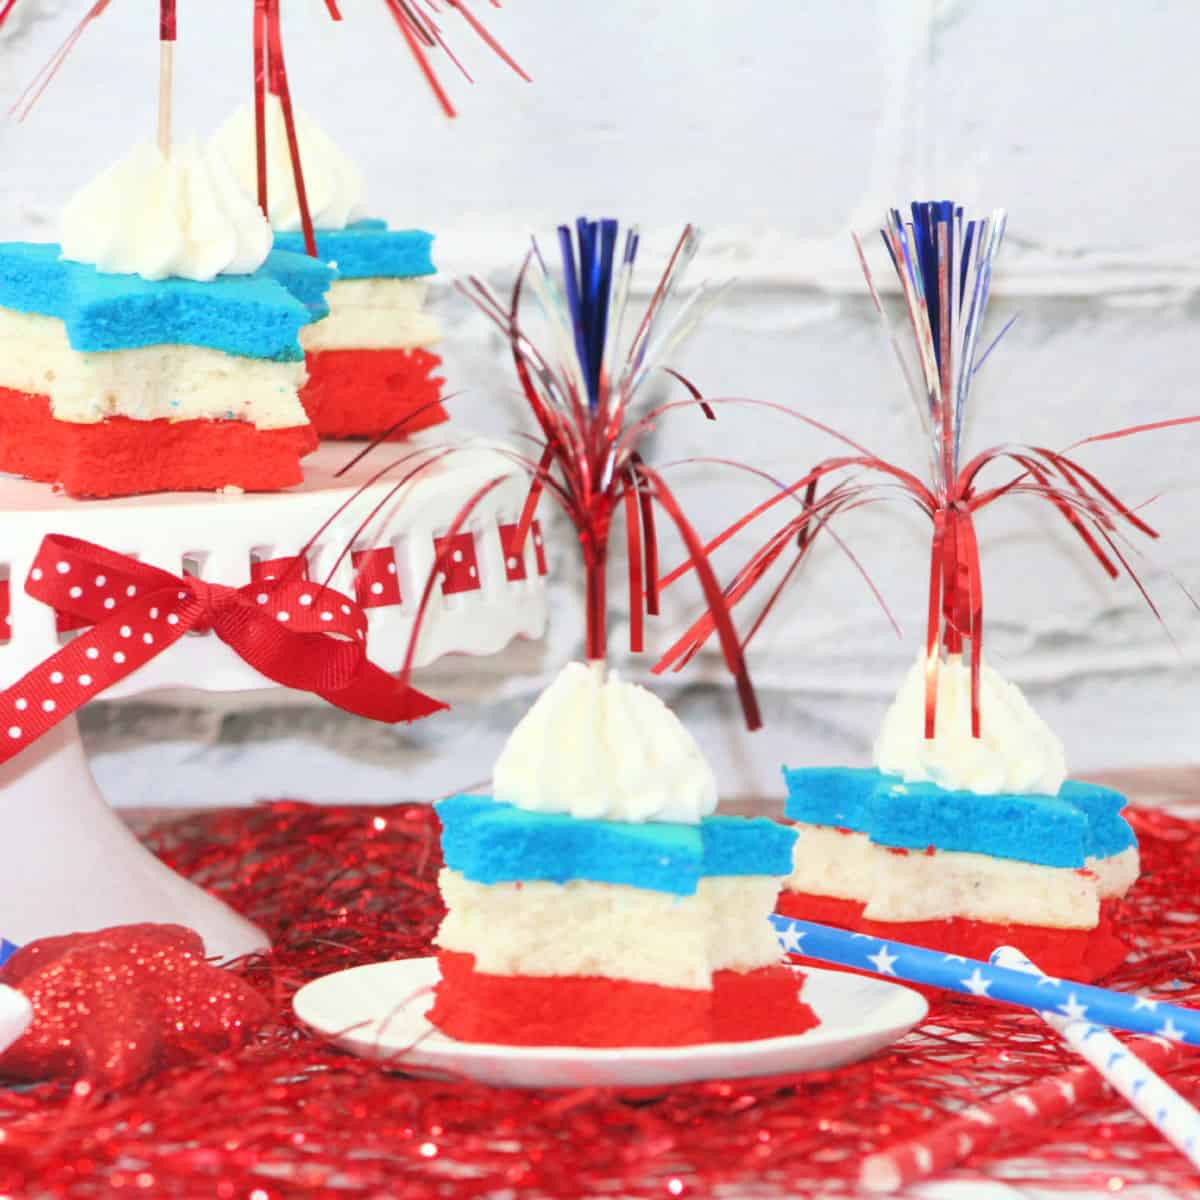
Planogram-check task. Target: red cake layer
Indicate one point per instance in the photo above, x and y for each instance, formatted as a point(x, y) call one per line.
point(1079, 954)
point(520, 1010)
point(362, 393)
point(123, 457)
point(748, 1005)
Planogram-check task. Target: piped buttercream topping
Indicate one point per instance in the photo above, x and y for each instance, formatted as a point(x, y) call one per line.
point(333, 184)
point(595, 746)
point(182, 216)
point(1016, 752)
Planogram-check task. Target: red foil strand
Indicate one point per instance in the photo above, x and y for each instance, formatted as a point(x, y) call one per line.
point(260, 103)
point(278, 81)
point(633, 554)
point(421, 59)
point(650, 542)
point(460, 6)
point(290, 1114)
point(42, 80)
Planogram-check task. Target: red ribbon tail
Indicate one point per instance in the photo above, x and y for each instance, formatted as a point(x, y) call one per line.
point(146, 623)
point(380, 697)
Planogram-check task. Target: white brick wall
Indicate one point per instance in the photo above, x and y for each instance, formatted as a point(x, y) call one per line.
point(777, 127)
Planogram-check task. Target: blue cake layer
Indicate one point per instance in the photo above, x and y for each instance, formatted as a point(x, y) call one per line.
point(745, 846)
point(498, 843)
point(369, 250)
point(1083, 821)
point(257, 316)
point(1108, 831)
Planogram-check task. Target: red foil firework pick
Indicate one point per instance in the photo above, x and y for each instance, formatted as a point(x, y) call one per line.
point(944, 264)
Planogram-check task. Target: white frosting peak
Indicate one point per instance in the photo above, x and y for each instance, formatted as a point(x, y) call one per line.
point(1016, 752)
point(182, 216)
point(333, 184)
point(596, 746)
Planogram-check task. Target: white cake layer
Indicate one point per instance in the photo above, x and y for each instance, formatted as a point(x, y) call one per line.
point(180, 383)
point(380, 292)
point(612, 930)
point(374, 314)
point(923, 887)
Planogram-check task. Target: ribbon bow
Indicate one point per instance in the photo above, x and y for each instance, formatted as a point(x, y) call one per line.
point(299, 634)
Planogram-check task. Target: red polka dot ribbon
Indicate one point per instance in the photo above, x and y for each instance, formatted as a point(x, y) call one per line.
point(297, 633)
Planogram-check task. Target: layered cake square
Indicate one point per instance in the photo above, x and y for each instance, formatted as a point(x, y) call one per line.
point(646, 924)
point(602, 933)
point(371, 365)
point(158, 347)
point(963, 844)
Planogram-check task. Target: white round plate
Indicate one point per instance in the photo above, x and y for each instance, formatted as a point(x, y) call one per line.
point(378, 1012)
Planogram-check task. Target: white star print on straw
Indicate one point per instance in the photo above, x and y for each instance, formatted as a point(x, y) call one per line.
point(790, 940)
point(1170, 1031)
point(884, 962)
point(1127, 1074)
point(1072, 1010)
point(976, 983)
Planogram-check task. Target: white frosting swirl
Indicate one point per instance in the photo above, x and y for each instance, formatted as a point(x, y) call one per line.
point(182, 216)
point(600, 747)
point(1016, 752)
point(332, 182)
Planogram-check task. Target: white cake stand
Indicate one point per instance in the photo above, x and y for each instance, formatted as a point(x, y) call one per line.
point(70, 864)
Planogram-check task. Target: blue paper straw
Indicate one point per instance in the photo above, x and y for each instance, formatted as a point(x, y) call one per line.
point(913, 964)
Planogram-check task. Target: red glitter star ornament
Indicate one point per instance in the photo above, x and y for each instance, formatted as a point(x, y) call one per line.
point(118, 1004)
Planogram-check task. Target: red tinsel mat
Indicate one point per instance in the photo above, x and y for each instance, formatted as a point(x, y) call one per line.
point(289, 1116)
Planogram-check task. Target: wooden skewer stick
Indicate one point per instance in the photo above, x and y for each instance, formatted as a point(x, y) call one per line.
point(166, 75)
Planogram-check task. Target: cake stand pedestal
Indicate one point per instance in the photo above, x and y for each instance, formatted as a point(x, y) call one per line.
point(70, 863)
